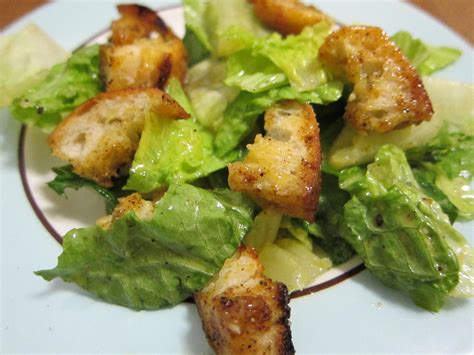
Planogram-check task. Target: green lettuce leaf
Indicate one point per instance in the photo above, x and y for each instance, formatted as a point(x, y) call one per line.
point(253, 72)
point(425, 58)
point(66, 86)
point(207, 92)
point(449, 160)
point(241, 115)
point(272, 61)
point(452, 104)
point(26, 56)
point(222, 30)
point(174, 151)
point(67, 179)
point(402, 235)
point(157, 263)
point(330, 228)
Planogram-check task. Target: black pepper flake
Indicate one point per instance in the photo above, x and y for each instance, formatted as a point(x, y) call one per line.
point(379, 220)
point(39, 110)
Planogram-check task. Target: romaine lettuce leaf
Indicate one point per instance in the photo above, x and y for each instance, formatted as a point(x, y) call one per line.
point(207, 92)
point(452, 104)
point(285, 250)
point(271, 61)
point(25, 57)
point(425, 58)
point(330, 227)
point(174, 151)
point(241, 115)
point(66, 178)
point(158, 263)
point(449, 160)
point(222, 30)
point(66, 86)
point(401, 234)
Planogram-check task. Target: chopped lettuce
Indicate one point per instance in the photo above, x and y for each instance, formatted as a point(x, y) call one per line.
point(66, 178)
point(174, 151)
point(241, 115)
point(222, 30)
point(330, 228)
point(207, 92)
point(425, 58)
point(66, 86)
point(269, 62)
point(285, 250)
point(449, 160)
point(452, 104)
point(25, 57)
point(253, 72)
point(157, 263)
point(401, 234)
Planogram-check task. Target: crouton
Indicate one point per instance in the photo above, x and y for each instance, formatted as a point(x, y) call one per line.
point(388, 92)
point(143, 52)
point(288, 16)
point(100, 137)
point(282, 170)
point(244, 312)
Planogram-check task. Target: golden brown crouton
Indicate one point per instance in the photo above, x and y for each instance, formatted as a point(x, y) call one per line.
point(244, 312)
point(388, 92)
point(100, 136)
point(134, 202)
point(282, 169)
point(143, 51)
point(288, 16)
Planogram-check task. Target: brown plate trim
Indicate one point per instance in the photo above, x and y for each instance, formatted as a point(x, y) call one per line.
point(24, 180)
point(39, 213)
point(312, 289)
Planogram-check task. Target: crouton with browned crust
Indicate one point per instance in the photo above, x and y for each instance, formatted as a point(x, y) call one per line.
point(143, 52)
point(100, 137)
point(244, 312)
point(288, 16)
point(283, 169)
point(388, 92)
point(134, 202)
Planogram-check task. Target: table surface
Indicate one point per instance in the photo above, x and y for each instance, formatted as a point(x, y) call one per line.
point(457, 14)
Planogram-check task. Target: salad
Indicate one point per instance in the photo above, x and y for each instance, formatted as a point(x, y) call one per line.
point(392, 204)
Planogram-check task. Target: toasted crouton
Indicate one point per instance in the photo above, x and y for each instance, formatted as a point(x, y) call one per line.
point(282, 169)
point(143, 51)
point(244, 312)
point(388, 92)
point(134, 202)
point(288, 16)
point(100, 136)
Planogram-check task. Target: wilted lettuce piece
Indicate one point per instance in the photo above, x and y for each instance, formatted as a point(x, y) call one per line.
point(452, 104)
point(66, 86)
point(425, 58)
point(25, 57)
point(240, 115)
point(401, 234)
point(174, 151)
point(157, 263)
point(253, 72)
point(271, 61)
point(196, 51)
point(66, 178)
point(222, 30)
point(285, 250)
point(330, 227)
point(207, 92)
point(426, 179)
point(449, 160)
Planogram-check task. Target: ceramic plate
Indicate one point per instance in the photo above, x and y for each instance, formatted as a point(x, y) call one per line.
point(350, 312)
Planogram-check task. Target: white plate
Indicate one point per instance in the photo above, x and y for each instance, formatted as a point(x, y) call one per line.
point(358, 315)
